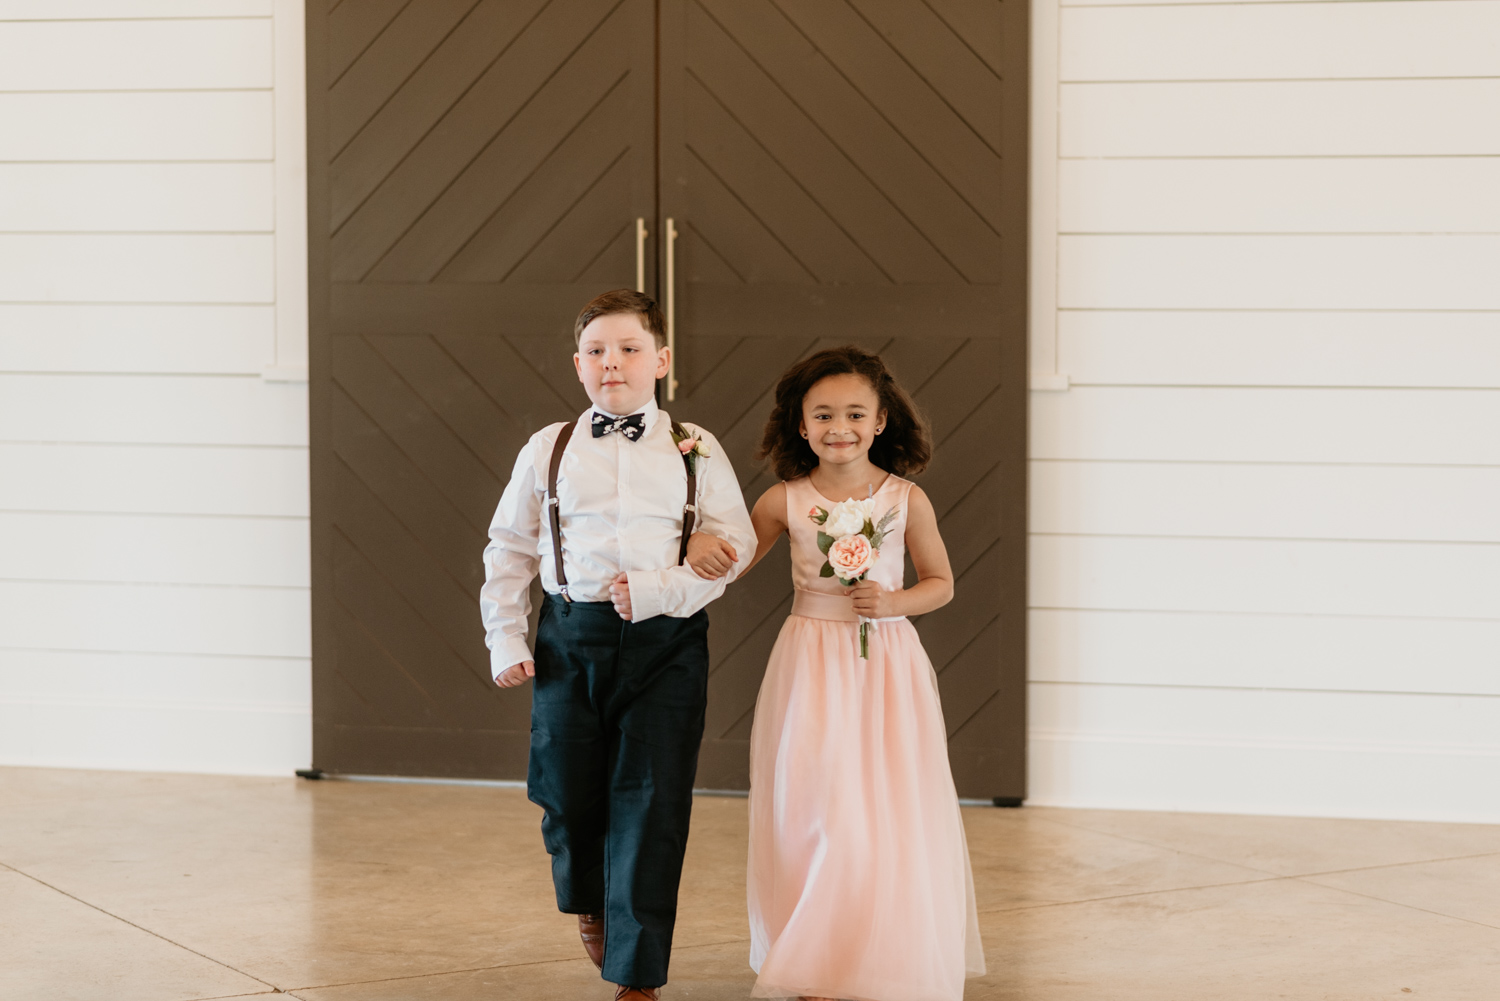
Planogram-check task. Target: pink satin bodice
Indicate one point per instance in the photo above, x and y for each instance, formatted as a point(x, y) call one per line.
point(807, 560)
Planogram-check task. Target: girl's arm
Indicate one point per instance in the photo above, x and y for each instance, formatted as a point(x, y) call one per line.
point(934, 586)
point(769, 520)
point(711, 557)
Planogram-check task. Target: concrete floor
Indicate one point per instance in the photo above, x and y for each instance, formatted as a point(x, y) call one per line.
point(120, 886)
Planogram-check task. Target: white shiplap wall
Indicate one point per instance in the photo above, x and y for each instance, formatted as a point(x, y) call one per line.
point(1266, 516)
point(153, 487)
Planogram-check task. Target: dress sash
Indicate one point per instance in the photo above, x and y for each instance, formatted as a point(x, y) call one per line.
point(835, 607)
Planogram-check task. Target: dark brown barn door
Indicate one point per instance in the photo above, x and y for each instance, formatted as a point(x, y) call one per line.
point(838, 170)
point(853, 170)
point(477, 167)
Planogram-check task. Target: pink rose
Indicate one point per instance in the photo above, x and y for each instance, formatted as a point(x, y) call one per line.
point(812, 512)
point(851, 556)
point(686, 445)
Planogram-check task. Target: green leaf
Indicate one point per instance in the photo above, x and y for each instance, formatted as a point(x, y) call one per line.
point(824, 541)
point(876, 540)
point(869, 529)
point(827, 570)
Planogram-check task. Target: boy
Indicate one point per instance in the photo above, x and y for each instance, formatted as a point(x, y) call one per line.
point(621, 666)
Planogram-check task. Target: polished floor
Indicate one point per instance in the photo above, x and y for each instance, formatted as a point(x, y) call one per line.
point(119, 886)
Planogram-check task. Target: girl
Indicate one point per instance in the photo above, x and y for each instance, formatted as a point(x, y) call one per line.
point(859, 882)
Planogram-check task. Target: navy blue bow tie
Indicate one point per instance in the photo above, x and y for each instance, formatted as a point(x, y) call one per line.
point(631, 427)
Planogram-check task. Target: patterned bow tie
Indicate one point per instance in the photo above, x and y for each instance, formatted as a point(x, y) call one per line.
point(631, 427)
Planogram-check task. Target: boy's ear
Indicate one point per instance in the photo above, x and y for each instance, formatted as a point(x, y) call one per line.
point(663, 361)
point(578, 365)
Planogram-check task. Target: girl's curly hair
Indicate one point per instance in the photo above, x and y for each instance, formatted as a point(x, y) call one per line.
point(905, 446)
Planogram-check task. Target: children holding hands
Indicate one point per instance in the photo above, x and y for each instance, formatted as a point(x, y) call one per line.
point(603, 507)
point(859, 884)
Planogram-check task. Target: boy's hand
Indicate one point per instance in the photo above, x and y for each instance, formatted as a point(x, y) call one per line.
point(710, 556)
point(872, 601)
point(516, 674)
point(619, 593)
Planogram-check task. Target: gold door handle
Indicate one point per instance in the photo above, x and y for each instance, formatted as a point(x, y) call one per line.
point(671, 311)
point(640, 255)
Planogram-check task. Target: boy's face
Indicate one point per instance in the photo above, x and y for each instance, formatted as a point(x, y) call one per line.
point(618, 363)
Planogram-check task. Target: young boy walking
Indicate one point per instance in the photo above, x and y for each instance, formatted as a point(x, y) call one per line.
point(604, 506)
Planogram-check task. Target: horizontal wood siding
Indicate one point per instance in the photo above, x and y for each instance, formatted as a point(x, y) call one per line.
point(137, 197)
point(133, 338)
point(1408, 348)
point(224, 480)
point(1265, 552)
point(1378, 195)
point(1397, 117)
point(1268, 424)
point(1243, 650)
point(1271, 41)
point(153, 511)
point(1346, 502)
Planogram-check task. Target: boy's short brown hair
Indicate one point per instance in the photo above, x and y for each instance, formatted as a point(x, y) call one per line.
point(623, 300)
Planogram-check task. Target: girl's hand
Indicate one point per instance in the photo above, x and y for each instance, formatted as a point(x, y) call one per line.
point(872, 601)
point(710, 556)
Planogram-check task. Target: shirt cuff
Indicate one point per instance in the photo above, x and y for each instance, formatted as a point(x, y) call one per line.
point(645, 594)
point(508, 652)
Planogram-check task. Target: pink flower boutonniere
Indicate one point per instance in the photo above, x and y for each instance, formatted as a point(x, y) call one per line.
point(692, 446)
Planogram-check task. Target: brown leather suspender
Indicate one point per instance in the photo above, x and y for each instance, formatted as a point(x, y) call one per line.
point(552, 505)
point(689, 509)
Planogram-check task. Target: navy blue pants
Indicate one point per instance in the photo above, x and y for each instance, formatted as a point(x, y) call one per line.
point(616, 719)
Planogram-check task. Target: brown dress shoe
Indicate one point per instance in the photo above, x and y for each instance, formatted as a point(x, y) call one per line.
point(591, 930)
point(637, 993)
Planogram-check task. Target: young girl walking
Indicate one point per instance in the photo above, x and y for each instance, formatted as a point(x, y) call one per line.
point(859, 882)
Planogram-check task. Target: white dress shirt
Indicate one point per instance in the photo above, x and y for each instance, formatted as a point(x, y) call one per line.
point(621, 509)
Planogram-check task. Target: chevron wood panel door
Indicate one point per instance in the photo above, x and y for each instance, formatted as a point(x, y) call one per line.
point(839, 170)
point(476, 170)
point(854, 171)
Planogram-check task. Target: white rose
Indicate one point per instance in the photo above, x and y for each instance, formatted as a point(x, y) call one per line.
point(848, 517)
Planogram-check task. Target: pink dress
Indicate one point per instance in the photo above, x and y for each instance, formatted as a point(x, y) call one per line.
point(859, 882)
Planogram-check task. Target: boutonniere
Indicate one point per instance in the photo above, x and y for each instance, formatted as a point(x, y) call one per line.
point(692, 446)
point(850, 538)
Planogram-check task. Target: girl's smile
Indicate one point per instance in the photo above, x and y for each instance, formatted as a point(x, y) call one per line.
point(841, 416)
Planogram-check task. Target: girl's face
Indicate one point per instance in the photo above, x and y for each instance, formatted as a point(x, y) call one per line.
point(840, 417)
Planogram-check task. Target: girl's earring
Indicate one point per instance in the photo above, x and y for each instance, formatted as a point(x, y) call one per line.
point(878, 430)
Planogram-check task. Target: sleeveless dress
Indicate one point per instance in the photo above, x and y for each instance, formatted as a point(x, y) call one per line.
point(859, 882)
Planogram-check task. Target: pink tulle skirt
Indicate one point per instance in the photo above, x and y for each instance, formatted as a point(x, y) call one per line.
point(859, 881)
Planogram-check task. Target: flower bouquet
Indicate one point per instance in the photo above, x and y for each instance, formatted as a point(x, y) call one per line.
point(850, 537)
